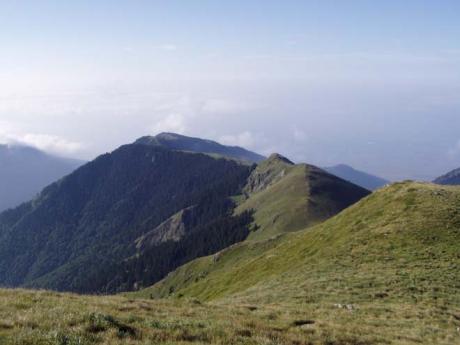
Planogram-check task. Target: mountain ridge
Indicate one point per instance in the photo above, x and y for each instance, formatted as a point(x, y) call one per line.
point(287, 197)
point(451, 178)
point(360, 178)
point(181, 142)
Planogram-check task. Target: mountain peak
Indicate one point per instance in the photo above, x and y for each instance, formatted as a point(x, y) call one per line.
point(168, 134)
point(277, 157)
point(179, 142)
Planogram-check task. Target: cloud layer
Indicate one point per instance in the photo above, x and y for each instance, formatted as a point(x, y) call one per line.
point(10, 134)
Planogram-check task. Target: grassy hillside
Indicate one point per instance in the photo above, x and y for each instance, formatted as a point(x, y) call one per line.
point(288, 197)
point(408, 230)
point(392, 261)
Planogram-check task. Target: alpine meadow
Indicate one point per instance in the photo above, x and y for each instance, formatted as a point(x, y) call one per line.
point(263, 172)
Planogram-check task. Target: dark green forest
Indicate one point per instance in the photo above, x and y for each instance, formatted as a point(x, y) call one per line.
point(79, 231)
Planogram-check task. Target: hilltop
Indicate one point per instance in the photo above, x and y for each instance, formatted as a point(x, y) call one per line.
point(179, 142)
point(287, 197)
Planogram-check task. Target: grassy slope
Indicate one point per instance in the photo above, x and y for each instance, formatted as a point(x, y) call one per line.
point(282, 207)
point(296, 197)
point(394, 257)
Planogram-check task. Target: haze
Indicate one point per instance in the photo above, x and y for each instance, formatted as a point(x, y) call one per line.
point(302, 78)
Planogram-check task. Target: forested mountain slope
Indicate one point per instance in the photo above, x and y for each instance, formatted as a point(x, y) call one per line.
point(79, 232)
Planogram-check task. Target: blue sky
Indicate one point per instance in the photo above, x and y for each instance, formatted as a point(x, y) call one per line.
point(373, 84)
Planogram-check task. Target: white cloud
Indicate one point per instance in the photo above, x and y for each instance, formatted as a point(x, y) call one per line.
point(51, 143)
point(244, 139)
point(10, 134)
point(174, 122)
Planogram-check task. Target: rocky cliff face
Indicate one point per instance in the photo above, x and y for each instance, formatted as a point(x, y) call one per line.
point(173, 229)
point(268, 172)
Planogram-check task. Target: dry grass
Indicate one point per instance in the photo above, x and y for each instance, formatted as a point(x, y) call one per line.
point(40, 317)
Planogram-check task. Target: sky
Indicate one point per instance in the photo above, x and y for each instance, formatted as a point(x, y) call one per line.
point(372, 84)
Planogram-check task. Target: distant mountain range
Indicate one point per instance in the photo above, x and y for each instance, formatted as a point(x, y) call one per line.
point(451, 178)
point(357, 177)
point(180, 142)
point(25, 171)
point(175, 141)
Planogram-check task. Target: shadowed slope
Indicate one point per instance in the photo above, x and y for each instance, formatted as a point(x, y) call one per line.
point(451, 178)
